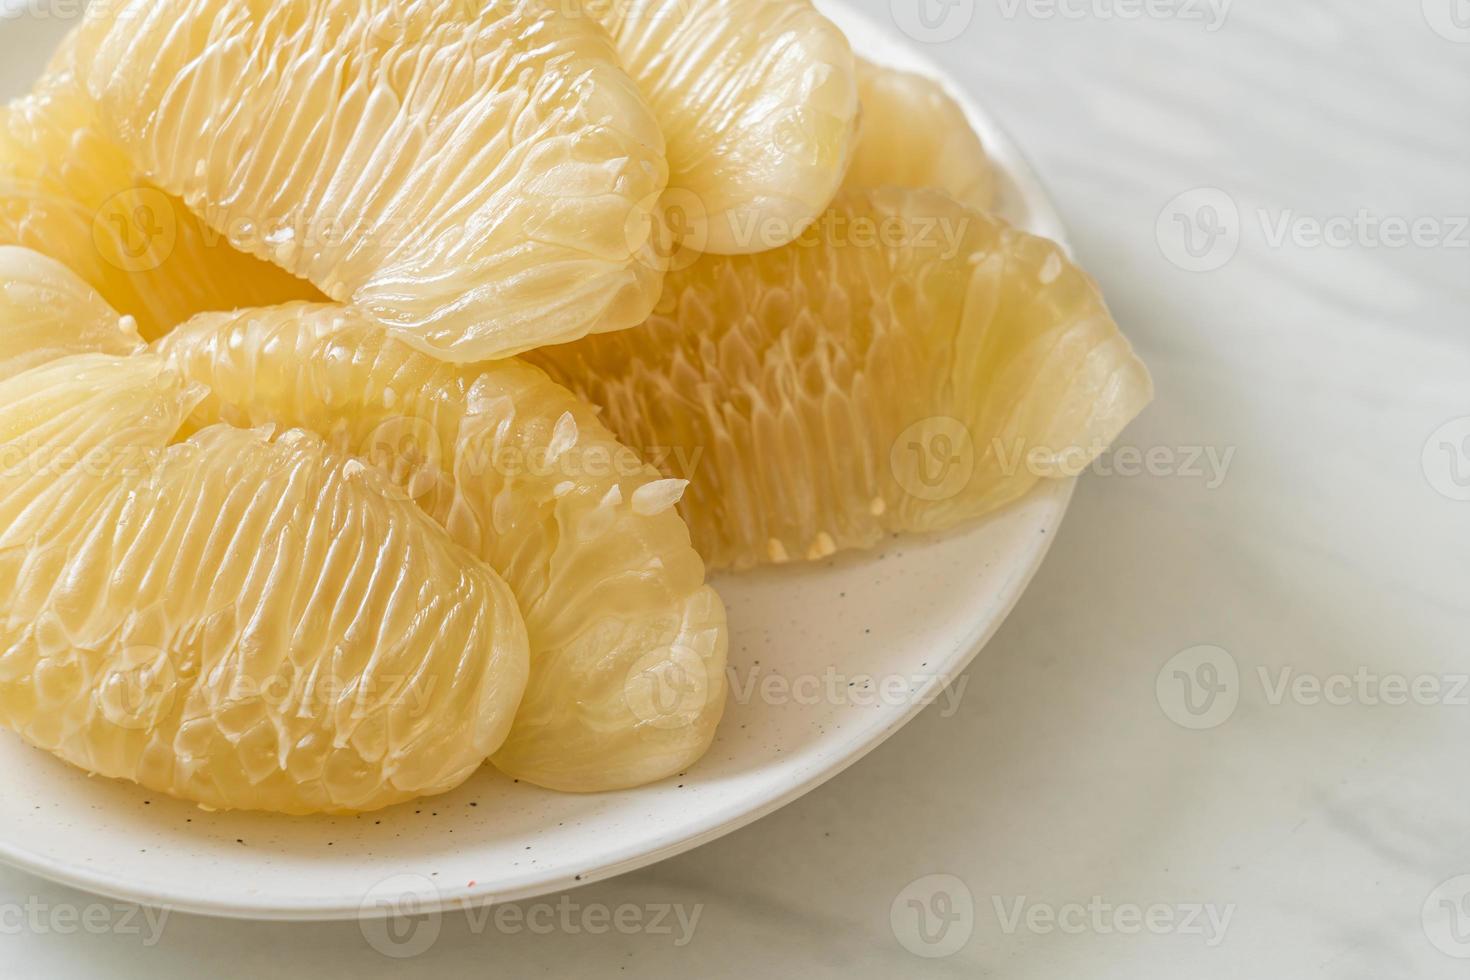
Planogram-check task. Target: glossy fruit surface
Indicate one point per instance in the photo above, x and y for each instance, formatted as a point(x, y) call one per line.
point(915, 135)
point(69, 192)
point(758, 103)
point(479, 178)
point(627, 642)
point(236, 619)
point(47, 312)
point(906, 365)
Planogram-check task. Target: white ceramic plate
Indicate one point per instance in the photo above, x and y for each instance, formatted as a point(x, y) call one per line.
point(909, 617)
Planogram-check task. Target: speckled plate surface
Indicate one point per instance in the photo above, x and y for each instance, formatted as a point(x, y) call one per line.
point(826, 662)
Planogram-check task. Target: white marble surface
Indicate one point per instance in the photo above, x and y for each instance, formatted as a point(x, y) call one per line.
point(1312, 831)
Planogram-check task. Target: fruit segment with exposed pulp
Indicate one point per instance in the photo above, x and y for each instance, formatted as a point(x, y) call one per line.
point(241, 618)
point(478, 178)
point(914, 134)
point(336, 337)
point(46, 312)
point(907, 364)
point(70, 192)
point(758, 102)
point(627, 642)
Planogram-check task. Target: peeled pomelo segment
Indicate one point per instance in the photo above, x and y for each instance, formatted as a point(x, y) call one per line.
point(914, 134)
point(478, 178)
point(238, 620)
point(69, 192)
point(906, 365)
point(758, 103)
point(627, 642)
point(47, 312)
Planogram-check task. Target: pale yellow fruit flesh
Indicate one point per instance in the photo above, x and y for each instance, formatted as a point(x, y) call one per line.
point(915, 135)
point(479, 178)
point(47, 312)
point(908, 364)
point(236, 620)
point(627, 642)
point(69, 192)
point(758, 102)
